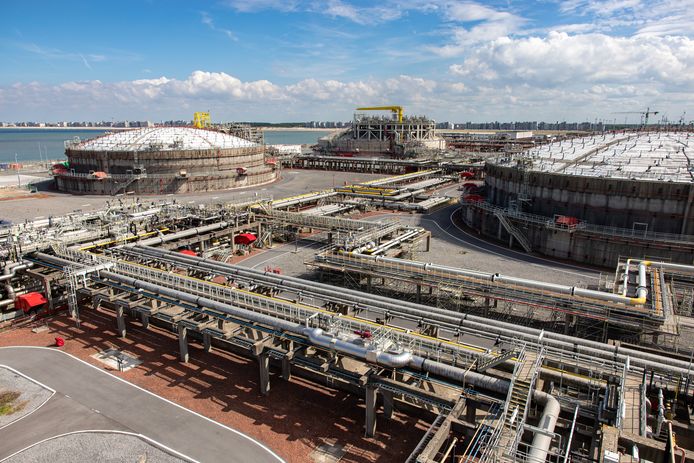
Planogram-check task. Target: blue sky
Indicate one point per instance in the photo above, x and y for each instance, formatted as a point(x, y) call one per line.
point(302, 60)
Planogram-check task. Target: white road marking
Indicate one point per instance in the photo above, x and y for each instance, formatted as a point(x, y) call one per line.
point(109, 431)
point(52, 391)
point(154, 395)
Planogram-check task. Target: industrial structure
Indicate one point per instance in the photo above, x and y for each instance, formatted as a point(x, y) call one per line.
point(398, 136)
point(592, 199)
point(504, 368)
point(163, 160)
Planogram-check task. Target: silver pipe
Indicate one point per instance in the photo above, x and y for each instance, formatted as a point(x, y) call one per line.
point(389, 359)
point(661, 412)
point(453, 319)
point(9, 272)
point(542, 440)
point(182, 234)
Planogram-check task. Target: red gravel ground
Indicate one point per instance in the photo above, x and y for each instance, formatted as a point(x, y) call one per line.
point(293, 420)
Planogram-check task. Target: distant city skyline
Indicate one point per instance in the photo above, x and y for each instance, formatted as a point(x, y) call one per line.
point(289, 60)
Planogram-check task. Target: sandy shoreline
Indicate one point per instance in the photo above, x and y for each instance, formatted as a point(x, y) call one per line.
point(265, 129)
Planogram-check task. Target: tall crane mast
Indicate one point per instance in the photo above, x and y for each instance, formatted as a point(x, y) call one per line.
point(396, 110)
point(644, 114)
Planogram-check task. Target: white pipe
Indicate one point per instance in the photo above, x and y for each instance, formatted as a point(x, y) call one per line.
point(181, 234)
point(9, 272)
point(587, 347)
point(562, 289)
point(543, 439)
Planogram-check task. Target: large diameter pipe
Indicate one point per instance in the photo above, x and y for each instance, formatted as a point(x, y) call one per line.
point(535, 284)
point(8, 273)
point(389, 359)
point(454, 319)
point(182, 234)
point(543, 439)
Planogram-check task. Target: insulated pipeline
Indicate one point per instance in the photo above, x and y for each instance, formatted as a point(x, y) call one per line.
point(449, 318)
point(540, 444)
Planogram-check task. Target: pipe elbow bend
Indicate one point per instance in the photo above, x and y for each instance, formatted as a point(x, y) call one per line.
point(394, 360)
point(638, 300)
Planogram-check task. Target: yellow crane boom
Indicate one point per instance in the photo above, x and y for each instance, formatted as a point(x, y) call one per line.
point(201, 120)
point(396, 110)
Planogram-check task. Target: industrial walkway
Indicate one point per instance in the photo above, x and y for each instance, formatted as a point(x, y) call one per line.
point(88, 398)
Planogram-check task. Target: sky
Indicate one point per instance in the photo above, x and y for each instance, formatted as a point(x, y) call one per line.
point(292, 60)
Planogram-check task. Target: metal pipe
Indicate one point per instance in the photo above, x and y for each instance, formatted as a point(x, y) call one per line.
point(452, 319)
point(562, 289)
point(543, 438)
point(317, 336)
point(8, 273)
point(182, 234)
point(661, 412)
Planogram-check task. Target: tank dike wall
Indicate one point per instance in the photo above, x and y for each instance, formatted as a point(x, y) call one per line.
point(166, 185)
point(166, 162)
point(578, 246)
point(601, 201)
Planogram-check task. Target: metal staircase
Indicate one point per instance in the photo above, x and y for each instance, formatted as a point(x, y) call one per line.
point(518, 401)
point(72, 286)
point(513, 231)
point(494, 361)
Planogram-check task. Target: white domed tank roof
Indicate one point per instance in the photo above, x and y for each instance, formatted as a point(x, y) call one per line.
point(655, 156)
point(163, 139)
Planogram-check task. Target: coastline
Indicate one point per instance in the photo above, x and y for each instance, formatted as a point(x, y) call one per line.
point(264, 129)
point(68, 128)
point(298, 129)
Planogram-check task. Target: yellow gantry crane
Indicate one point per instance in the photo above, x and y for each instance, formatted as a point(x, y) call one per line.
point(201, 120)
point(396, 110)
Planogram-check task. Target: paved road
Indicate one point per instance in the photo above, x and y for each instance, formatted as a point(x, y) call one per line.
point(88, 398)
point(443, 218)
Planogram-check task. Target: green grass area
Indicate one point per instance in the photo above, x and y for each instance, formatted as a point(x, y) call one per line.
point(9, 403)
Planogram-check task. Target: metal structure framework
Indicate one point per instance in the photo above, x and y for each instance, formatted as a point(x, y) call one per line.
point(497, 436)
point(463, 290)
point(493, 391)
point(410, 129)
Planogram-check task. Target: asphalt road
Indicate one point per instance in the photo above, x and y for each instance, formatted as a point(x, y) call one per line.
point(89, 398)
point(442, 220)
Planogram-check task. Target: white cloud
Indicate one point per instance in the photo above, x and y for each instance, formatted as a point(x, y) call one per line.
point(249, 6)
point(207, 20)
point(563, 59)
point(474, 24)
point(217, 90)
point(645, 17)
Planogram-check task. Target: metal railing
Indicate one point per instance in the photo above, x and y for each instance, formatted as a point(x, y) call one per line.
point(550, 223)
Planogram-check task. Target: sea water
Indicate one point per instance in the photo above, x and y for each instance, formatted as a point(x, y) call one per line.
point(35, 144)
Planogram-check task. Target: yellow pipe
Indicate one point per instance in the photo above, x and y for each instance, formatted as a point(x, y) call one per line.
point(127, 238)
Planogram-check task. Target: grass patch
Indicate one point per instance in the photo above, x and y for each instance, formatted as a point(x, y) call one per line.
point(9, 403)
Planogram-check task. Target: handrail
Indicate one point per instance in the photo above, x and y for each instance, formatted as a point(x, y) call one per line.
point(549, 222)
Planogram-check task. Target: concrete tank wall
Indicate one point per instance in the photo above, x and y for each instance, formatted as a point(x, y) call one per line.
point(164, 172)
point(165, 184)
point(166, 162)
point(664, 207)
point(579, 246)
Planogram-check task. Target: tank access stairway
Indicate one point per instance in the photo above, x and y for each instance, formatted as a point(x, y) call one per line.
point(513, 231)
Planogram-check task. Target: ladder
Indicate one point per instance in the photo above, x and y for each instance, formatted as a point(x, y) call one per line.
point(72, 285)
point(494, 361)
point(518, 400)
point(513, 231)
